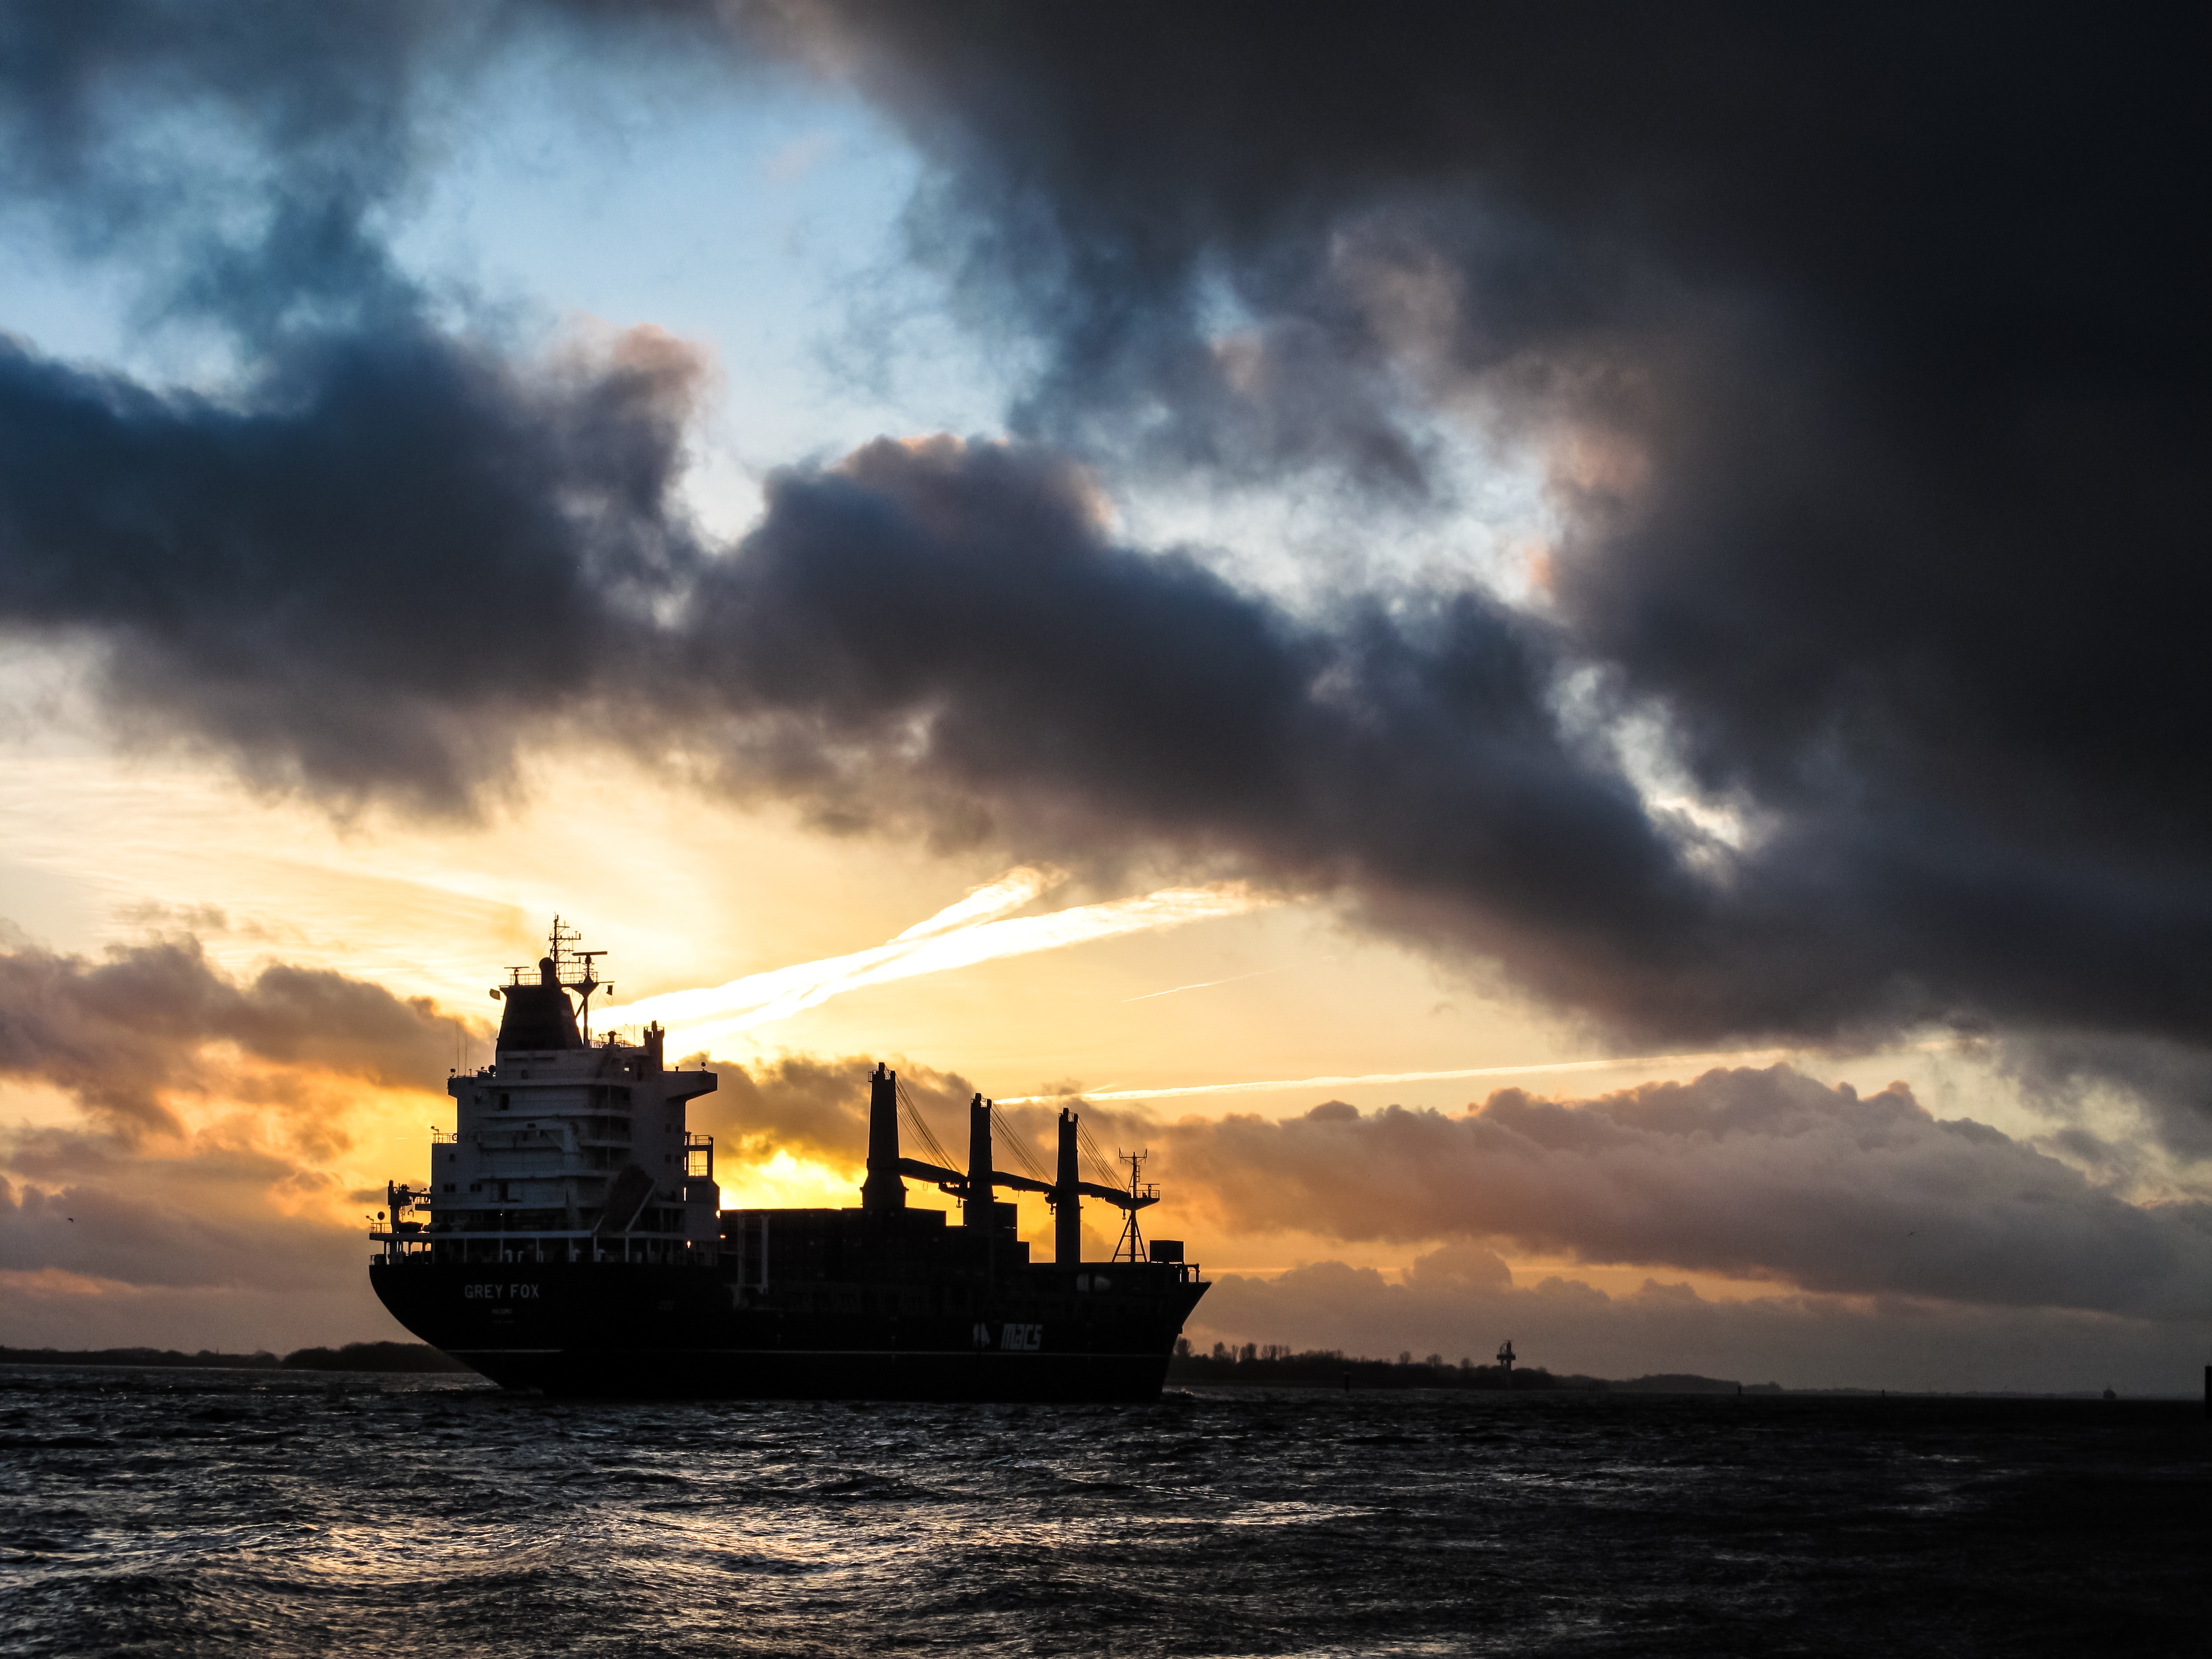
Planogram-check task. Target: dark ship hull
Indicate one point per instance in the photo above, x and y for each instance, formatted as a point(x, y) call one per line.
point(612, 1330)
point(855, 1307)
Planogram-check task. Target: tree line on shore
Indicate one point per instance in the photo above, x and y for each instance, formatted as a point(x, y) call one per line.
point(1254, 1364)
point(353, 1356)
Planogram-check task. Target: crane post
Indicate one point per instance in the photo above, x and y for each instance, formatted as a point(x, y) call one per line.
point(976, 1211)
point(883, 1189)
point(1067, 1199)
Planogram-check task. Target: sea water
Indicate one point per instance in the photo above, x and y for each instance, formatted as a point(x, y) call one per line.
point(166, 1512)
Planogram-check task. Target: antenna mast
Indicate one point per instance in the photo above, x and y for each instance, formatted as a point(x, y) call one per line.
point(1132, 1247)
point(574, 969)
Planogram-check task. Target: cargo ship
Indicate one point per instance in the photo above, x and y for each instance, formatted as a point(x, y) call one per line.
point(570, 1239)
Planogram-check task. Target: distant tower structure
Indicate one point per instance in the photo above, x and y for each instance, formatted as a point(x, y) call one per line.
point(1505, 1361)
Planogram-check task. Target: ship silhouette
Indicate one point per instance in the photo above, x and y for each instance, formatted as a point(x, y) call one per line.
point(571, 1239)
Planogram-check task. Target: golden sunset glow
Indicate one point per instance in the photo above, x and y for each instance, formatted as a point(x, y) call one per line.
point(1163, 1002)
point(1444, 672)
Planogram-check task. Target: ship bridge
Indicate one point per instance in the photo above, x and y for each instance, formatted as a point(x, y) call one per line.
point(565, 1148)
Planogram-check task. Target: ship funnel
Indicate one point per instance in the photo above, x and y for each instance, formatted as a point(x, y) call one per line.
point(537, 1016)
point(883, 1190)
point(1067, 1202)
point(977, 1210)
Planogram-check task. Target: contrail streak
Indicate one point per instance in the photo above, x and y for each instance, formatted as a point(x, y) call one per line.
point(990, 901)
point(975, 930)
point(1208, 984)
point(1398, 1077)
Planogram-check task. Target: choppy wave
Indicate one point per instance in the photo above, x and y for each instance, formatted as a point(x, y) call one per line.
point(152, 1512)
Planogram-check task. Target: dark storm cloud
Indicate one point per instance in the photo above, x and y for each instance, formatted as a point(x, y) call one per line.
point(385, 549)
point(118, 1034)
point(950, 626)
point(1755, 1174)
point(1877, 337)
point(1865, 346)
point(371, 578)
point(2172, 1081)
point(951, 620)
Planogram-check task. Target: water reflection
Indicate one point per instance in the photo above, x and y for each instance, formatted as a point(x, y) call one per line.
point(210, 1512)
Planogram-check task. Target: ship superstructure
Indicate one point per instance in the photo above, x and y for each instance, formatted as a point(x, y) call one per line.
point(571, 1238)
point(565, 1149)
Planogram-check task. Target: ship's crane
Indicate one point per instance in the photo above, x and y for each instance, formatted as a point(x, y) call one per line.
point(976, 1186)
point(955, 1182)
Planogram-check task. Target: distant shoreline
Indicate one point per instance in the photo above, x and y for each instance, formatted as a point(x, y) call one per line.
point(1632, 1389)
point(401, 1357)
point(1327, 1370)
point(1254, 1367)
point(1313, 1370)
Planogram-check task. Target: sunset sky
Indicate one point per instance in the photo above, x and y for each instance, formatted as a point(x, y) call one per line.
point(1559, 662)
